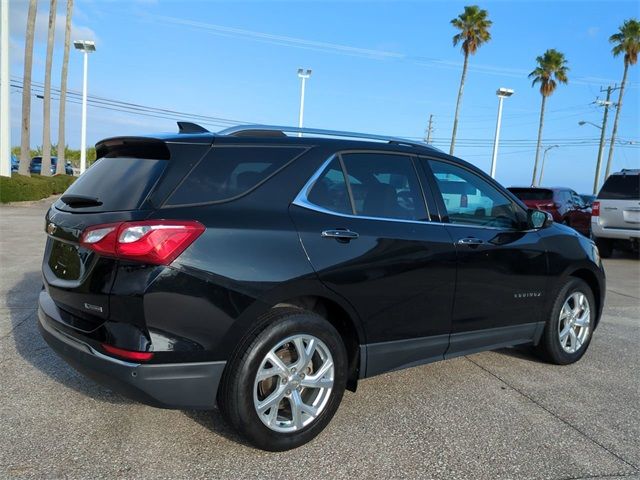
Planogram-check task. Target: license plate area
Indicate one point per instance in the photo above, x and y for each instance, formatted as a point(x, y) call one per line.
point(632, 216)
point(66, 261)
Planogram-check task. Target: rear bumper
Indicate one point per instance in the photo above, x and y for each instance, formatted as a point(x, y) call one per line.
point(169, 385)
point(618, 233)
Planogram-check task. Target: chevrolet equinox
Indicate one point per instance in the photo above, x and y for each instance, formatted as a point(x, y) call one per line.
point(266, 273)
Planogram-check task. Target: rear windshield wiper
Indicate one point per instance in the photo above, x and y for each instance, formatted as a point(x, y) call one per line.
point(80, 200)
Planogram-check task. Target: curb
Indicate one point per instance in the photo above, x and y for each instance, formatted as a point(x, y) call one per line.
point(29, 203)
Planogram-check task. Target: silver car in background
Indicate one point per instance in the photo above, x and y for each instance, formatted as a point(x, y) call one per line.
point(615, 217)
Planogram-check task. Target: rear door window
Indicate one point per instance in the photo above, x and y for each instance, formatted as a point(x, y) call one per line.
point(230, 171)
point(621, 187)
point(381, 185)
point(119, 183)
point(330, 190)
point(385, 186)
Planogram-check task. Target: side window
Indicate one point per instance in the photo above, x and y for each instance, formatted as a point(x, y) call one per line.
point(227, 172)
point(471, 200)
point(577, 200)
point(384, 186)
point(330, 190)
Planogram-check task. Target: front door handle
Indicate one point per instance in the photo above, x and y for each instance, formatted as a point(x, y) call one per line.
point(340, 234)
point(470, 241)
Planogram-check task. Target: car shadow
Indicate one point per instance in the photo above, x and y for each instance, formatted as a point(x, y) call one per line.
point(214, 421)
point(625, 254)
point(521, 352)
point(31, 346)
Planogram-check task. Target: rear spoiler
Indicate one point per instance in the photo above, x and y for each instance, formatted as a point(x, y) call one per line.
point(154, 147)
point(136, 147)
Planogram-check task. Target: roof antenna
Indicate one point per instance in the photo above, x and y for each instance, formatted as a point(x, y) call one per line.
point(188, 127)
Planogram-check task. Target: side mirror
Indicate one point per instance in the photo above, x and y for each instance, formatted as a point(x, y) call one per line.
point(538, 219)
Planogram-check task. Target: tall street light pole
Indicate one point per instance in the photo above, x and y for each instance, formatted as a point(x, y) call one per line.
point(5, 132)
point(544, 156)
point(87, 47)
point(303, 75)
point(502, 93)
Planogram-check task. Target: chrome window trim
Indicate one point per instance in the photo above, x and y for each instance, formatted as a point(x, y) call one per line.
point(301, 200)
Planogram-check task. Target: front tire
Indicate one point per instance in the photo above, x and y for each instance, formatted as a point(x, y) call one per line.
point(286, 383)
point(568, 329)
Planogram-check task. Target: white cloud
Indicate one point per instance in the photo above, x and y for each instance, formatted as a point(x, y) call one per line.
point(18, 23)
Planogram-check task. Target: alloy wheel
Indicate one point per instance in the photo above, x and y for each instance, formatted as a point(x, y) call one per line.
point(574, 325)
point(293, 383)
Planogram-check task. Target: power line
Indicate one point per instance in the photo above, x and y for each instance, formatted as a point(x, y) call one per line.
point(129, 107)
point(167, 114)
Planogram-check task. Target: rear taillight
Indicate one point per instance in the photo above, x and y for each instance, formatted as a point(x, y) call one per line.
point(127, 354)
point(158, 242)
point(595, 209)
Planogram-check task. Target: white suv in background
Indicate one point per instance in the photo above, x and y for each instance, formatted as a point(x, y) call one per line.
point(615, 217)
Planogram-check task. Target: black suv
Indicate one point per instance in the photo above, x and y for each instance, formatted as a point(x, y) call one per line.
point(267, 273)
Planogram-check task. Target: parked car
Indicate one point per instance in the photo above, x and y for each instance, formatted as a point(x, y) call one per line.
point(615, 220)
point(15, 163)
point(588, 199)
point(36, 166)
point(268, 272)
point(564, 204)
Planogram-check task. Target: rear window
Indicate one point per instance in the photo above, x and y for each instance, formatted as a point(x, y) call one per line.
point(621, 187)
point(230, 171)
point(532, 193)
point(119, 183)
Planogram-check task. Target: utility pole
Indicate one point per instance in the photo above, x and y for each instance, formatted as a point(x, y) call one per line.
point(613, 133)
point(427, 137)
point(5, 132)
point(606, 104)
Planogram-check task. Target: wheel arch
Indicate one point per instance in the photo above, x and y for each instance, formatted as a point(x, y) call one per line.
point(591, 279)
point(343, 319)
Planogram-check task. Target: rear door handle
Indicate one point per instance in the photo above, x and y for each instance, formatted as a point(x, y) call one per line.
point(340, 234)
point(470, 241)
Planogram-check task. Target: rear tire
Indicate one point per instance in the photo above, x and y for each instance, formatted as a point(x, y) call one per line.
point(605, 247)
point(270, 392)
point(569, 327)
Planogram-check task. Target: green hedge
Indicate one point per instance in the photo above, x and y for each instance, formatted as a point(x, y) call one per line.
point(36, 187)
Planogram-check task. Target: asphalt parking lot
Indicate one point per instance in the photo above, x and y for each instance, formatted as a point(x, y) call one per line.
point(500, 414)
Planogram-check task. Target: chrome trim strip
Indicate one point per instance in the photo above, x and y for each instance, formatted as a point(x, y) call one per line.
point(302, 201)
point(330, 133)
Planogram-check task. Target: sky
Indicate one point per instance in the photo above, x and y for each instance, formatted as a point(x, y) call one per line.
point(380, 67)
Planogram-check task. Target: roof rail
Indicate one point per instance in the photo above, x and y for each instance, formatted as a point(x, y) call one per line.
point(268, 130)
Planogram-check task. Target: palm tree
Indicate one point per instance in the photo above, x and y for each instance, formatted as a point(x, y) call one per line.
point(25, 152)
point(474, 31)
point(63, 91)
point(551, 70)
point(46, 109)
point(626, 41)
